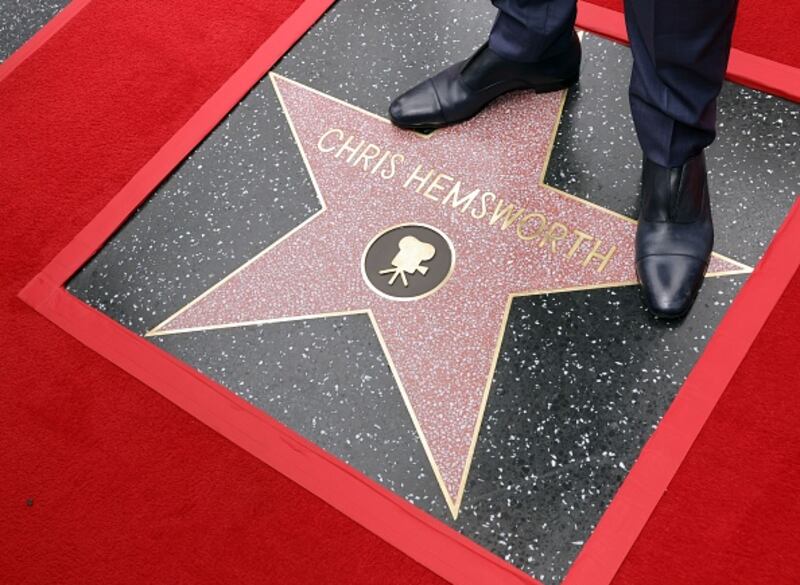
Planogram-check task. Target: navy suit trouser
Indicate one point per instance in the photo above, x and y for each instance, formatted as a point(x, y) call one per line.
point(680, 53)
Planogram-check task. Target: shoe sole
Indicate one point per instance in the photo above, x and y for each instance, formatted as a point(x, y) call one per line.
point(548, 88)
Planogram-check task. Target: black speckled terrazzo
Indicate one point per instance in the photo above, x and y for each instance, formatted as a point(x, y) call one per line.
point(20, 19)
point(583, 377)
point(328, 379)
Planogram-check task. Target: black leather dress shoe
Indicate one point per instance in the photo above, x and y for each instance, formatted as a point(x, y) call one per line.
point(674, 237)
point(464, 89)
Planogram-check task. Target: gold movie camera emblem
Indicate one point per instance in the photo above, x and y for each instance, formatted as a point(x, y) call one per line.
point(408, 262)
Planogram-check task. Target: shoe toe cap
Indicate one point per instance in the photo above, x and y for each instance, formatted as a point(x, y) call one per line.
point(417, 107)
point(670, 283)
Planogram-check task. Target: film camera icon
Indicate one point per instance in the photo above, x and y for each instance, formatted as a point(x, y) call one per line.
point(409, 259)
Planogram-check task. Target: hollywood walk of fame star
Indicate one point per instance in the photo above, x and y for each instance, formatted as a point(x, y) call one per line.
point(479, 185)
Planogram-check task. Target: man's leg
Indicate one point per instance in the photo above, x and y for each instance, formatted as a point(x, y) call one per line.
point(680, 52)
point(532, 30)
point(532, 46)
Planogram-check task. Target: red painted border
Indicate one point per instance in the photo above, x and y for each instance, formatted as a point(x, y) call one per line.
point(419, 535)
point(43, 35)
point(743, 68)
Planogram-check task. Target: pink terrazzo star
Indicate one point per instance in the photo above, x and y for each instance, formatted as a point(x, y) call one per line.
point(442, 347)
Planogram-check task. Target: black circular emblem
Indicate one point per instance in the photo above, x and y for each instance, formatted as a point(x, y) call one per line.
point(407, 262)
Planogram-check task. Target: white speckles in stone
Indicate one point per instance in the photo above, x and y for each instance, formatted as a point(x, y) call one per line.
point(20, 19)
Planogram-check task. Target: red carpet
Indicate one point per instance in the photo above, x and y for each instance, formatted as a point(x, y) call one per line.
point(104, 481)
point(767, 28)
